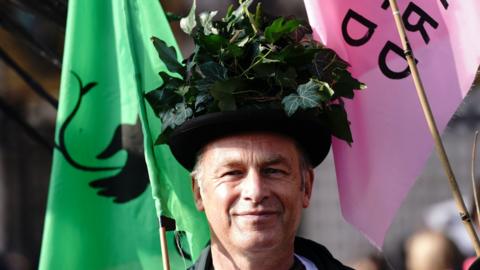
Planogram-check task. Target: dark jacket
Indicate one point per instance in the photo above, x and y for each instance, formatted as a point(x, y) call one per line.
point(316, 253)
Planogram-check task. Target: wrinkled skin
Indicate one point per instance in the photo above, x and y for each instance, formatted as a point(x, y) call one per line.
point(251, 190)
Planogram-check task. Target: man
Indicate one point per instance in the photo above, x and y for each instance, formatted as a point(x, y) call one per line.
point(252, 176)
point(251, 112)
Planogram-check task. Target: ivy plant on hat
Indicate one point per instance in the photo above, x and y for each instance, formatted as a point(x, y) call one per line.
point(251, 72)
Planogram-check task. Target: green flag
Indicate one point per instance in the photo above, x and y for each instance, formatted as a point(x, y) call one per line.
point(101, 213)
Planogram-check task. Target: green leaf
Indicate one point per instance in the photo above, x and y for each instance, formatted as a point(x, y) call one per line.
point(280, 28)
point(308, 93)
point(203, 85)
point(188, 23)
point(175, 116)
point(296, 55)
point(234, 50)
point(238, 13)
point(170, 82)
point(338, 122)
point(241, 42)
point(324, 90)
point(213, 43)
point(206, 22)
point(201, 102)
point(346, 84)
point(258, 14)
point(213, 71)
point(223, 93)
point(168, 119)
point(290, 104)
point(168, 55)
point(162, 100)
point(229, 11)
point(182, 113)
point(306, 97)
point(182, 90)
point(265, 70)
point(286, 79)
point(163, 137)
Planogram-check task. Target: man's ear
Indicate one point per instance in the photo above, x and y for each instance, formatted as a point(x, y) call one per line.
point(197, 196)
point(307, 191)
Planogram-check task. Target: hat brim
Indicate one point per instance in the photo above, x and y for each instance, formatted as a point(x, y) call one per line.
point(307, 130)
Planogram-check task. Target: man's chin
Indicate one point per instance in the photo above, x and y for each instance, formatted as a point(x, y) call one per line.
point(258, 241)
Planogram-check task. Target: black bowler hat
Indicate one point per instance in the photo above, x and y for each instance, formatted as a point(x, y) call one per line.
point(305, 128)
point(245, 61)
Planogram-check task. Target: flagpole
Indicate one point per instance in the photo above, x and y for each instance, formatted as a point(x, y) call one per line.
point(464, 215)
point(164, 248)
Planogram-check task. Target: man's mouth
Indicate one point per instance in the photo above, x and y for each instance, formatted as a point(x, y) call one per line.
point(257, 216)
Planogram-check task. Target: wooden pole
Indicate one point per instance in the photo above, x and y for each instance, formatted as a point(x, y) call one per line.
point(464, 215)
point(472, 169)
point(164, 247)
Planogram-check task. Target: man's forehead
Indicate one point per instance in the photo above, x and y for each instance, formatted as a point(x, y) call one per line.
point(252, 139)
point(264, 147)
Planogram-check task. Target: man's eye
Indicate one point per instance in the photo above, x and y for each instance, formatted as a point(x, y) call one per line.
point(232, 173)
point(270, 171)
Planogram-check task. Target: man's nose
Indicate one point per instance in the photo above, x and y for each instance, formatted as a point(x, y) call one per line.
point(254, 188)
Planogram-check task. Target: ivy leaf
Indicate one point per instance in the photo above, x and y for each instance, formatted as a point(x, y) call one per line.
point(346, 84)
point(324, 90)
point(265, 70)
point(206, 22)
point(182, 113)
point(175, 116)
point(182, 90)
point(306, 97)
point(291, 103)
point(213, 71)
point(203, 85)
point(238, 13)
point(188, 23)
point(201, 102)
point(234, 50)
point(164, 97)
point(241, 42)
point(223, 93)
point(168, 119)
point(213, 43)
point(338, 123)
point(168, 55)
point(169, 81)
point(286, 79)
point(279, 28)
point(308, 92)
point(296, 55)
point(162, 100)
point(163, 138)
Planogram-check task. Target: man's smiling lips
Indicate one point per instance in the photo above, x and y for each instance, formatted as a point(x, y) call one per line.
point(257, 216)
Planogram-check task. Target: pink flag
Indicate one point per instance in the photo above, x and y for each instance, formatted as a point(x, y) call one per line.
point(391, 138)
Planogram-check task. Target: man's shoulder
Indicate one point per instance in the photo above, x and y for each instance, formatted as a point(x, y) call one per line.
point(204, 261)
point(318, 254)
point(315, 252)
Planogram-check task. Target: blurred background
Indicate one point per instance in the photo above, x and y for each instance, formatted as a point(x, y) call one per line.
point(31, 41)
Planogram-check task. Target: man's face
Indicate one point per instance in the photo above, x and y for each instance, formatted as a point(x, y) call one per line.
point(251, 191)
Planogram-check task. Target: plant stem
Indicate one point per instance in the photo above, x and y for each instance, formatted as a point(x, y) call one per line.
point(256, 62)
point(250, 18)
